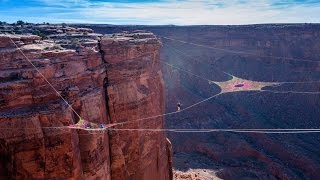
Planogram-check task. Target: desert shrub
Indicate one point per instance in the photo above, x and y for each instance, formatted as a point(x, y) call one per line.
point(57, 47)
point(75, 43)
point(39, 33)
point(54, 47)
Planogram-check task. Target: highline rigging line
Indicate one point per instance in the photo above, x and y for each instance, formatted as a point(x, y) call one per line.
point(235, 51)
point(173, 130)
point(173, 49)
point(262, 90)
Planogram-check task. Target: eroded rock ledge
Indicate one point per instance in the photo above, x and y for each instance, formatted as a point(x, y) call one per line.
point(107, 79)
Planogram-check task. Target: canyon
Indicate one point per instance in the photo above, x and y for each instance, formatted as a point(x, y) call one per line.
point(117, 78)
point(106, 79)
point(245, 155)
point(241, 155)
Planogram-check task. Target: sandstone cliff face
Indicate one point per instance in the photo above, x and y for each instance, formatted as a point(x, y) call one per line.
point(135, 91)
point(119, 92)
point(29, 105)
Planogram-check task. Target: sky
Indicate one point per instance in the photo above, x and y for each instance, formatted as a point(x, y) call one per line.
point(161, 12)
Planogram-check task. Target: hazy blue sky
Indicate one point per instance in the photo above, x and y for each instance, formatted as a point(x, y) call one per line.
point(179, 12)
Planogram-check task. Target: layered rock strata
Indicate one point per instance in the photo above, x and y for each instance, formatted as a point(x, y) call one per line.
point(135, 91)
point(113, 79)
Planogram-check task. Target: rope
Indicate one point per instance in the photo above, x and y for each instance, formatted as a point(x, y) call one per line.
point(170, 113)
point(258, 131)
point(283, 131)
point(219, 130)
point(44, 77)
point(236, 52)
point(279, 83)
point(198, 76)
point(127, 122)
point(292, 92)
point(189, 72)
point(192, 58)
point(176, 112)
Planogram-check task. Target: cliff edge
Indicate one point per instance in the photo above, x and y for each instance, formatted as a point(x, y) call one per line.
point(107, 79)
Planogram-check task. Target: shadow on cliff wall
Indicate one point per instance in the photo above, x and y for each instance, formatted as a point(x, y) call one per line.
point(4, 161)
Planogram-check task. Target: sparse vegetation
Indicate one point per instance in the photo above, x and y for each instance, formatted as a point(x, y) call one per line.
point(39, 33)
point(55, 47)
point(75, 43)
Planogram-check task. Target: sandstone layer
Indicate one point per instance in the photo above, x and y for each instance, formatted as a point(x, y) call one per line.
point(30, 107)
point(135, 90)
point(106, 80)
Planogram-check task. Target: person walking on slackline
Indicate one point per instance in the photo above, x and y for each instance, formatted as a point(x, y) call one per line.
point(179, 106)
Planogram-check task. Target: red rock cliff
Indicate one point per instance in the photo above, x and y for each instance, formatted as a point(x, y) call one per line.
point(135, 90)
point(130, 88)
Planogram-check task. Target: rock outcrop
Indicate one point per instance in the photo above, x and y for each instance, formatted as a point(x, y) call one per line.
point(106, 80)
point(30, 108)
point(135, 91)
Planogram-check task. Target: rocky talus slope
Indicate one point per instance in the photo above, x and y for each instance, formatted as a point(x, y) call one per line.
point(106, 79)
